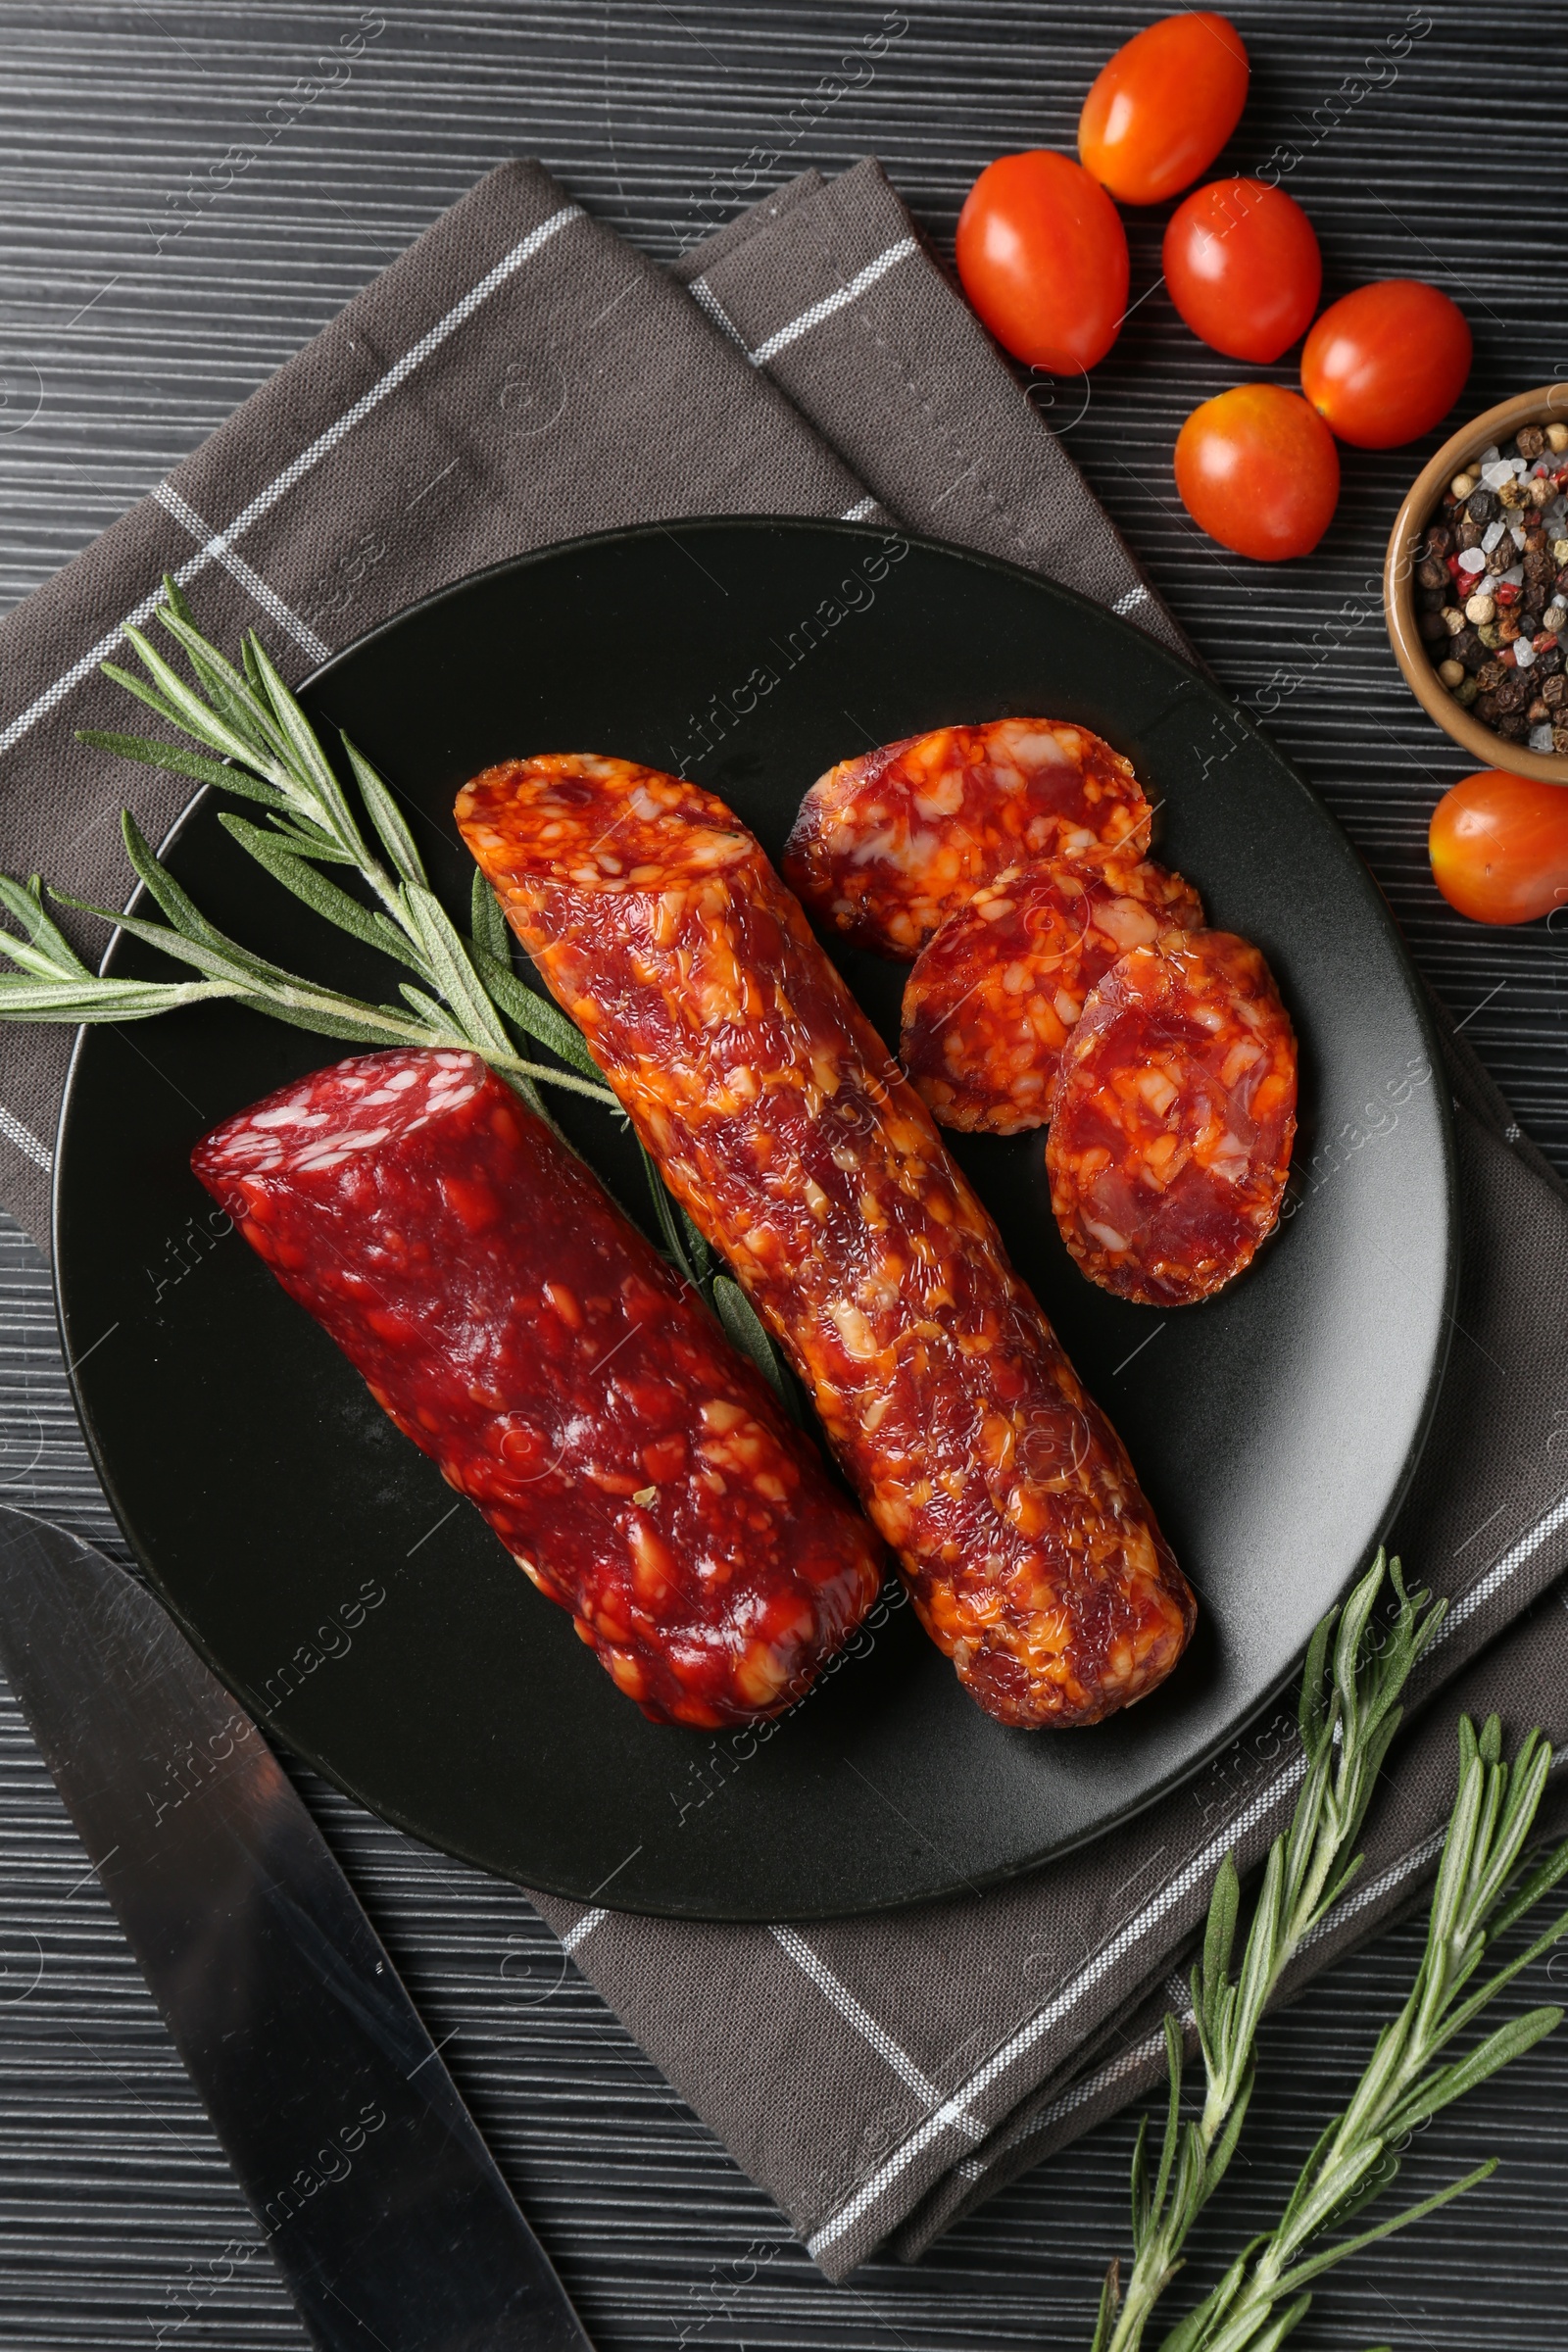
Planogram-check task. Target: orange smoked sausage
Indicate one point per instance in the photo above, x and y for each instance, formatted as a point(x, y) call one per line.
point(806, 1157)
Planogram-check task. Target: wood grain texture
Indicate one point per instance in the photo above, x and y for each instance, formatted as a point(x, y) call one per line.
point(188, 192)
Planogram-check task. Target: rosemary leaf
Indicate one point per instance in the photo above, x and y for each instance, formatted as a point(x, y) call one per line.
point(46, 948)
point(387, 818)
point(540, 1017)
point(747, 1332)
point(311, 764)
point(322, 896)
point(668, 1222)
point(181, 911)
point(158, 704)
point(1370, 2237)
point(181, 763)
point(104, 1000)
point(487, 925)
point(697, 1249)
point(302, 839)
point(449, 965)
point(184, 709)
point(238, 698)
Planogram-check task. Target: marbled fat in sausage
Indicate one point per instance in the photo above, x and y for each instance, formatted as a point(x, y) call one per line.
point(522, 1333)
point(1175, 1112)
point(891, 843)
point(806, 1159)
point(992, 998)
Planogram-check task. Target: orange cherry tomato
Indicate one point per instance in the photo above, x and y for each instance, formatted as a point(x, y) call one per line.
point(1257, 470)
point(1042, 255)
point(1243, 268)
point(1385, 362)
point(1162, 109)
point(1498, 845)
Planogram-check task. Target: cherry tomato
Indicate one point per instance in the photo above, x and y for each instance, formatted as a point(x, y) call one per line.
point(1499, 846)
point(1243, 267)
point(1385, 362)
point(1257, 470)
point(1162, 109)
point(1042, 255)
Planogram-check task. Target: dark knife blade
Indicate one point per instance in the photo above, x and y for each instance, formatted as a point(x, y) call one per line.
point(380, 2202)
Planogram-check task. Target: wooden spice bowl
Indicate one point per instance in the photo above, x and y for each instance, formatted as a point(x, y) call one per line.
point(1547, 406)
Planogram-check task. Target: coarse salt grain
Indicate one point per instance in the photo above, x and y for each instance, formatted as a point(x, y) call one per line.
point(1472, 561)
point(1489, 536)
point(1524, 653)
point(1497, 473)
point(1540, 738)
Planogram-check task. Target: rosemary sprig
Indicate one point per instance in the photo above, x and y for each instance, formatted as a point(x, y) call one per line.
point(1478, 1896)
point(270, 753)
point(1350, 1713)
point(465, 993)
point(1355, 1671)
point(55, 985)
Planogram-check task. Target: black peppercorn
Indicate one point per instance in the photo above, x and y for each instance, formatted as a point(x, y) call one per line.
point(1516, 535)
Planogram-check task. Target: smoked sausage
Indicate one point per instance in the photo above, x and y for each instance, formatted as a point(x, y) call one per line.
point(809, 1161)
point(523, 1334)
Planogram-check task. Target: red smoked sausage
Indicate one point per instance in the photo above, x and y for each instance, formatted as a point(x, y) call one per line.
point(888, 845)
point(993, 997)
point(521, 1332)
point(1175, 1112)
point(806, 1159)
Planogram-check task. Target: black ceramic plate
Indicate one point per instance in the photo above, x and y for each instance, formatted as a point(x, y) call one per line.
point(381, 1632)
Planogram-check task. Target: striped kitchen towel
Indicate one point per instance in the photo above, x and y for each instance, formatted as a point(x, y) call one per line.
point(520, 376)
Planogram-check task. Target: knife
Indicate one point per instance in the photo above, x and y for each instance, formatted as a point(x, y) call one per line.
point(381, 2204)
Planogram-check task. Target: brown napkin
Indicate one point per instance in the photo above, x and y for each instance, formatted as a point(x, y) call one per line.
point(520, 375)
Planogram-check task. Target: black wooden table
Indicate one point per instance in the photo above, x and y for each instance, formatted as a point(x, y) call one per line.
point(188, 192)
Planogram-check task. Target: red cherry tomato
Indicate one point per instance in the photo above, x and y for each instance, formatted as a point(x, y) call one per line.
point(1385, 362)
point(1162, 109)
point(1243, 267)
point(1499, 846)
point(1042, 255)
point(1257, 470)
